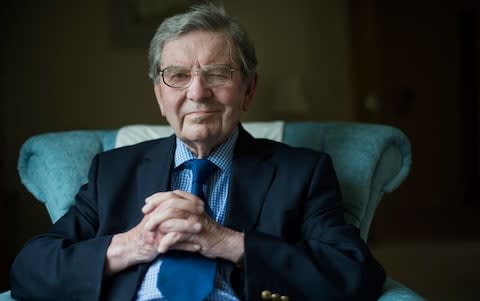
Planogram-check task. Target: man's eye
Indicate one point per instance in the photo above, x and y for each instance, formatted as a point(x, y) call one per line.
point(217, 75)
point(180, 76)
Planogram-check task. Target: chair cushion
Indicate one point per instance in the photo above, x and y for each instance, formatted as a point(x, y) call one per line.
point(132, 134)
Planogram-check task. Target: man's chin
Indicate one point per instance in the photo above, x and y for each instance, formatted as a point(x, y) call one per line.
point(199, 132)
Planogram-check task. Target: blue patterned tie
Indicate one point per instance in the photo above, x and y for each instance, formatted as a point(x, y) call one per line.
point(186, 276)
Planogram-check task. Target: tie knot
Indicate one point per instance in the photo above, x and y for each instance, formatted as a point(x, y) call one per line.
point(202, 169)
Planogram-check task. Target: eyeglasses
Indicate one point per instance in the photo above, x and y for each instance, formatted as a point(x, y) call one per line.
point(212, 75)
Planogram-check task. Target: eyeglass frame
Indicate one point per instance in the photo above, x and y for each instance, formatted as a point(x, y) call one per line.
point(198, 71)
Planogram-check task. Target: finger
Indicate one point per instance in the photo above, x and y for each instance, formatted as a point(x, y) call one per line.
point(168, 241)
point(180, 225)
point(154, 200)
point(173, 200)
point(198, 202)
point(187, 195)
point(186, 246)
point(158, 217)
point(194, 207)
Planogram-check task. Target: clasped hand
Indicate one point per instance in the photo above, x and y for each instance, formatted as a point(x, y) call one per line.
point(177, 220)
point(174, 220)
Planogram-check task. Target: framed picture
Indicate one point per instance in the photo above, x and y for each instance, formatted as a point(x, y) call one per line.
point(133, 22)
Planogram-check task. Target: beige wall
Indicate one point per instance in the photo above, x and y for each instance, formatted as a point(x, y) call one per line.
point(59, 71)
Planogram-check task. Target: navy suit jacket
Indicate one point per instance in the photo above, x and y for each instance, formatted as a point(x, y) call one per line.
point(286, 200)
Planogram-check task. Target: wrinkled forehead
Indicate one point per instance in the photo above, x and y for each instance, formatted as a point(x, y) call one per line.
point(198, 48)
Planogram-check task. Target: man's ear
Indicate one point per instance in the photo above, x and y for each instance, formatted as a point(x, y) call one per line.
point(158, 96)
point(250, 91)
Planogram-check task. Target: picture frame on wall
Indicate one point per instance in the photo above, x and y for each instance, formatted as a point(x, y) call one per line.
point(134, 22)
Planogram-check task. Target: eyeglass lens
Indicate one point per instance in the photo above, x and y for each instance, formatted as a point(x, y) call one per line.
point(214, 75)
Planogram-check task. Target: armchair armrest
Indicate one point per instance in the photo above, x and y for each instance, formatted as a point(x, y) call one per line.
point(369, 160)
point(394, 291)
point(51, 165)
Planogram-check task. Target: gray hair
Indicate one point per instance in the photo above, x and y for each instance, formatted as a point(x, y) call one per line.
point(203, 17)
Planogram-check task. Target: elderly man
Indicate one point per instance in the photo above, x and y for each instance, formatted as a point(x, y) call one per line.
point(209, 213)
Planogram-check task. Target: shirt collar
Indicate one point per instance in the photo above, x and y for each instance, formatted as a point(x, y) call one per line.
point(221, 156)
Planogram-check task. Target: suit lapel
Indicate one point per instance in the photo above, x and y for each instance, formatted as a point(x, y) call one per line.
point(252, 175)
point(153, 176)
point(155, 169)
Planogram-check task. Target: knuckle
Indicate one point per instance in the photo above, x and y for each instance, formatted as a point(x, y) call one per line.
point(153, 197)
point(165, 227)
point(171, 194)
point(194, 219)
point(169, 211)
point(177, 236)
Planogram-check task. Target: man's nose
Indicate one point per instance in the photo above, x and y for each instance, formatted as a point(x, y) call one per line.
point(198, 89)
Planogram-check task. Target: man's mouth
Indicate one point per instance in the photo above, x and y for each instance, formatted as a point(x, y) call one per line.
point(201, 115)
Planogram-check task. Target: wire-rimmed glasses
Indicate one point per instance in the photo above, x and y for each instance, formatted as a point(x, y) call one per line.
point(212, 75)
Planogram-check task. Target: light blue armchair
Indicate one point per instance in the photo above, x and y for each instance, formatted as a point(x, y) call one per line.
point(370, 160)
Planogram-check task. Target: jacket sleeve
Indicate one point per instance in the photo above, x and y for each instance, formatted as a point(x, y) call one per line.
point(67, 262)
point(325, 259)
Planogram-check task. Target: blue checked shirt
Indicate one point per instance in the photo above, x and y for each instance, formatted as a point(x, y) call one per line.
point(216, 192)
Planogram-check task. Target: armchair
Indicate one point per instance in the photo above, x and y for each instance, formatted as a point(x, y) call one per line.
point(369, 159)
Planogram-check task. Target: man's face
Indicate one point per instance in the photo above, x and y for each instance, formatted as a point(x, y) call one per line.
point(200, 114)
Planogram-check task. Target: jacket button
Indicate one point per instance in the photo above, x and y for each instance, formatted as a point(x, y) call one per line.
point(284, 298)
point(275, 297)
point(266, 295)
